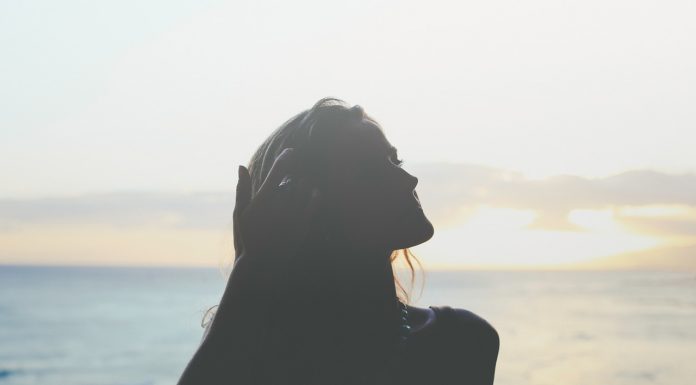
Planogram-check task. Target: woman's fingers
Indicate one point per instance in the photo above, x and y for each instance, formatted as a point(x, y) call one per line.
point(279, 169)
point(242, 200)
point(276, 218)
point(243, 188)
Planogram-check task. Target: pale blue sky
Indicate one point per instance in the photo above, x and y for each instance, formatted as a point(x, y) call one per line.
point(567, 126)
point(171, 95)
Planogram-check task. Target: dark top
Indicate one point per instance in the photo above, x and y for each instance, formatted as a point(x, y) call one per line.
point(458, 348)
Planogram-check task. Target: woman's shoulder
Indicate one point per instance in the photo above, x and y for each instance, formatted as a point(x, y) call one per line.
point(468, 325)
point(468, 343)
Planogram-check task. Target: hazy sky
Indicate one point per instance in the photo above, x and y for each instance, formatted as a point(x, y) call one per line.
point(125, 98)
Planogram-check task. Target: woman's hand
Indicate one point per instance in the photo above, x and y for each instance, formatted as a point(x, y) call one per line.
point(273, 224)
point(267, 230)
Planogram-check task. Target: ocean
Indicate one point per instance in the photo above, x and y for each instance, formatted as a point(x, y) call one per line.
point(140, 326)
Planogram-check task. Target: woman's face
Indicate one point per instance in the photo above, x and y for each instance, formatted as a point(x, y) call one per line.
point(374, 196)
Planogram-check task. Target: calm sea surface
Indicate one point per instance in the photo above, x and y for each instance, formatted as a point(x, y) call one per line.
point(128, 326)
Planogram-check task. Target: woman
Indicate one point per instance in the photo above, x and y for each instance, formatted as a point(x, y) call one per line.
point(321, 212)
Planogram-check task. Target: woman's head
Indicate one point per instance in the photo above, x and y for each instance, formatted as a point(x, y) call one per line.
point(367, 198)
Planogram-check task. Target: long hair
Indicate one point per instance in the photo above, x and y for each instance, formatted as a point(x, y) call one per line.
point(308, 132)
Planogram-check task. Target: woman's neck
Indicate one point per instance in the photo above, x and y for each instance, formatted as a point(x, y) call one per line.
point(355, 281)
point(365, 288)
point(343, 304)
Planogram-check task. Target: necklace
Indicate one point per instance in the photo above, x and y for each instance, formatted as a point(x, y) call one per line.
point(404, 324)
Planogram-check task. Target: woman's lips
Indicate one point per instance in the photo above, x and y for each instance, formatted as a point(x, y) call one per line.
point(415, 195)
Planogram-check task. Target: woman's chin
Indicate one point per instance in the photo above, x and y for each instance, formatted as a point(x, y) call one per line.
point(416, 235)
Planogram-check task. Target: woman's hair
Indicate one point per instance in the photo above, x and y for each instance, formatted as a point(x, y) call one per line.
point(310, 133)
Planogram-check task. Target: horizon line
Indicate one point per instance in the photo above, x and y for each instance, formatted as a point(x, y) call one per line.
point(462, 268)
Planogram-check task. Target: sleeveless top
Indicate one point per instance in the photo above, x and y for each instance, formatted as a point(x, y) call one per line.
point(443, 353)
point(455, 350)
point(432, 357)
point(423, 357)
point(444, 315)
point(443, 322)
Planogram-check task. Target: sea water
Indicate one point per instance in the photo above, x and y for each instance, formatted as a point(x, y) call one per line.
point(140, 326)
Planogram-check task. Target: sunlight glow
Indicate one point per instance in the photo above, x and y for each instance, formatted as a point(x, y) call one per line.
point(664, 211)
point(498, 237)
point(114, 246)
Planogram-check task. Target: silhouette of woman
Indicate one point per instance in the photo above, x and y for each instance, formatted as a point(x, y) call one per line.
point(321, 213)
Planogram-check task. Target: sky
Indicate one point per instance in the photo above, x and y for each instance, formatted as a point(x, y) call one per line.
point(543, 133)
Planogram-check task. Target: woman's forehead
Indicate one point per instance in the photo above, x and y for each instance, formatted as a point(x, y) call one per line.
point(360, 140)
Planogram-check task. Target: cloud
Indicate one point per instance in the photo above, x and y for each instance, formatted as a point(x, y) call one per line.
point(660, 226)
point(676, 258)
point(447, 189)
point(449, 192)
point(123, 209)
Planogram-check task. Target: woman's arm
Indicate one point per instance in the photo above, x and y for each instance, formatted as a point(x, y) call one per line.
point(479, 348)
point(268, 227)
